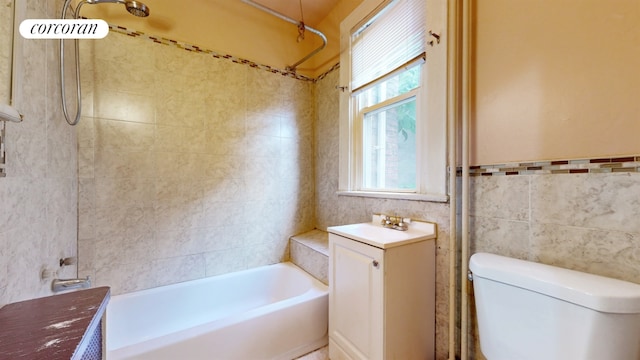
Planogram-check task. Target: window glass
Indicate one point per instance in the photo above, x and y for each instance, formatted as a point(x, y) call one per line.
point(389, 147)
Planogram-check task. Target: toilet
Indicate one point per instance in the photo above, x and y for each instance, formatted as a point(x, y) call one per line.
point(532, 311)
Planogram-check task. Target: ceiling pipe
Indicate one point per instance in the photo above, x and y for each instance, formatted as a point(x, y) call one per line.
point(297, 23)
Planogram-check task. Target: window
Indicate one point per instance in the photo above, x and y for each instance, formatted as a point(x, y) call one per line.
point(392, 115)
point(387, 112)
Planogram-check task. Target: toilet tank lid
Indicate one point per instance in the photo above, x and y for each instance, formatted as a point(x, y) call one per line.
point(595, 292)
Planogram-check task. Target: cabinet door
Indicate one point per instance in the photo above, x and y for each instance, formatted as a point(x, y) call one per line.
point(355, 298)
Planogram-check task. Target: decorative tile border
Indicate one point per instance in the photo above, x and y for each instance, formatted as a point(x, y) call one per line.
point(2, 153)
point(197, 49)
point(576, 166)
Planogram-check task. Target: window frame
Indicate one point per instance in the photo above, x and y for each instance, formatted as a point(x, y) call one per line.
point(431, 123)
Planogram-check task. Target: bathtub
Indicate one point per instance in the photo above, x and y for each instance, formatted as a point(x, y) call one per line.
point(271, 312)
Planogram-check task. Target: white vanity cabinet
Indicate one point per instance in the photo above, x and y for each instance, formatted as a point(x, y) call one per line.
point(381, 292)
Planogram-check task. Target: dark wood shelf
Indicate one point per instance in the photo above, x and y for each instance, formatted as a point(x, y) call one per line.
point(65, 326)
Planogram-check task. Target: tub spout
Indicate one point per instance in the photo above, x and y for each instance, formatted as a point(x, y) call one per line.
point(70, 284)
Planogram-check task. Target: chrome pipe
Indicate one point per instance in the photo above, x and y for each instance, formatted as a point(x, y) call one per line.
point(297, 23)
point(58, 285)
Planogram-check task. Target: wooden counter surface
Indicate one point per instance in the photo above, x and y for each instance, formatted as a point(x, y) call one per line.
point(53, 327)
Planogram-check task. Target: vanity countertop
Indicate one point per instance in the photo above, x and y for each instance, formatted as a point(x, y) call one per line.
point(375, 234)
point(53, 327)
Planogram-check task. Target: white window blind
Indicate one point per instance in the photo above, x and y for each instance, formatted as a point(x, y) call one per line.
point(393, 37)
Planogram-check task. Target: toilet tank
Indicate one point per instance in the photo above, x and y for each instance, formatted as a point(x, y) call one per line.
point(527, 310)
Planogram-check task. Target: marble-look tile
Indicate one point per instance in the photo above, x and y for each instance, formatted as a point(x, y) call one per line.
point(310, 260)
point(183, 109)
point(86, 257)
point(500, 197)
point(175, 192)
point(86, 224)
point(225, 115)
point(86, 132)
point(230, 213)
point(602, 252)
point(225, 261)
point(258, 124)
point(122, 79)
point(123, 191)
point(124, 136)
point(61, 220)
point(180, 139)
point(125, 278)
point(224, 189)
point(118, 105)
point(602, 201)
point(317, 240)
point(6, 22)
point(121, 220)
point(38, 198)
point(169, 59)
point(86, 163)
point(109, 163)
point(187, 168)
point(183, 268)
point(177, 217)
point(504, 237)
point(268, 252)
point(225, 143)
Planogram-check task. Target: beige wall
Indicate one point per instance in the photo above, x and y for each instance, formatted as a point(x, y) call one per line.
point(189, 166)
point(555, 79)
point(38, 197)
point(330, 26)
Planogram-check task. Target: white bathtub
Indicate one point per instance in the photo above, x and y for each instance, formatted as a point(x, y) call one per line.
point(271, 312)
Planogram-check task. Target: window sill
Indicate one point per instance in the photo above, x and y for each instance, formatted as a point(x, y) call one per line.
point(399, 196)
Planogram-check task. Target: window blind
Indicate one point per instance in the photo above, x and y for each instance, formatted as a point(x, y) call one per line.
point(393, 37)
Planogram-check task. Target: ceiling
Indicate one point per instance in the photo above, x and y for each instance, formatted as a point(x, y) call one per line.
point(313, 11)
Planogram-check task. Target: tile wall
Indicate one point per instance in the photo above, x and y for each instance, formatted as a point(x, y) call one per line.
point(190, 165)
point(332, 209)
point(38, 197)
point(581, 221)
point(6, 28)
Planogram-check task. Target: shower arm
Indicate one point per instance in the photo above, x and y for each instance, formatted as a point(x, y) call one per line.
point(297, 23)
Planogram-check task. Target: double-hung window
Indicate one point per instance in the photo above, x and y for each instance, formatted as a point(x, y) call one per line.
point(392, 109)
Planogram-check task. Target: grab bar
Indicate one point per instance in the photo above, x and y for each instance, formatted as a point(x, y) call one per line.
point(58, 285)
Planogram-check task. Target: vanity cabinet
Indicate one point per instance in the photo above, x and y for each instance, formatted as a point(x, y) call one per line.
point(381, 292)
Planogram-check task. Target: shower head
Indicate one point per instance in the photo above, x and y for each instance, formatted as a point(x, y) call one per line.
point(134, 7)
point(137, 8)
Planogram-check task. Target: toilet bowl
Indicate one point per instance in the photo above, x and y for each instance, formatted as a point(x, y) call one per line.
point(532, 311)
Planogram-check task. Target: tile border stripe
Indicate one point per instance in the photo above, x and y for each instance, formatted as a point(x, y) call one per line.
point(237, 60)
point(598, 165)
